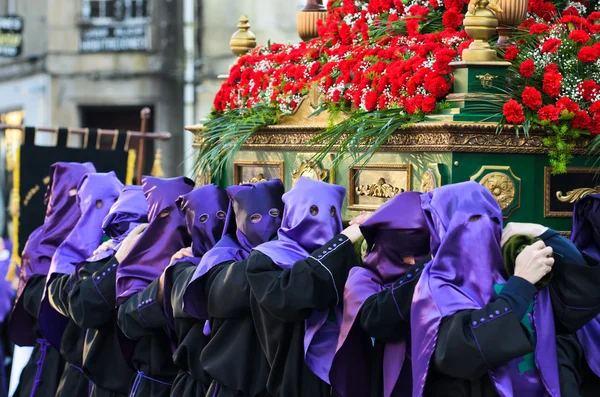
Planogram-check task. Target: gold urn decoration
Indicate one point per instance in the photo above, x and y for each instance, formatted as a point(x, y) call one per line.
point(242, 41)
point(306, 21)
point(513, 14)
point(480, 24)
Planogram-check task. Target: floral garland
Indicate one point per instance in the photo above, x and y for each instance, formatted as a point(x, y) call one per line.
point(380, 55)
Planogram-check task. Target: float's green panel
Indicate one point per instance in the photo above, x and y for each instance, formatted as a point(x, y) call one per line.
point(420, 163)
point(530, 169)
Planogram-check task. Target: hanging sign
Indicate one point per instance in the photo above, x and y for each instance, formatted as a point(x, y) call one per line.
point(11, 36)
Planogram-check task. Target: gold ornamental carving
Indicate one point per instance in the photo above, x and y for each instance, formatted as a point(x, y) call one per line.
point(428, 182)
point(501, 186)
point(487, 80)
point(311, 170)
point(381, 189)
point(576, 194)
point(427, 136)
point(258, 178)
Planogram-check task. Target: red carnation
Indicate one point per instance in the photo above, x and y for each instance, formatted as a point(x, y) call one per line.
point(418, 10)
point(589, 89)
point(532, 98)
point(581, 120)
point(428, 104)
point(551, 68)
point(570, 11)
point(567, 104)
point(549, 113)
point(595, 109)
point(413, 105)
point(513, 112)
point(371, 101)
point(551, 46)
point(437, 86)
point(579, 36)
point(452, 19)
point(552, 84)
point(539, 28)
point(456, 4)
point(588, 55)
point(527, 68)
point(511, 53)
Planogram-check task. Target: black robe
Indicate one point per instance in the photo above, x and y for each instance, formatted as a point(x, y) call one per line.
point(234, 346)
point(45, 366)
point(142, 318)
point(385, 317)
point(189, 338)
point(73, 382)
point(460, 363)
point(281, 300)
point(92, 307)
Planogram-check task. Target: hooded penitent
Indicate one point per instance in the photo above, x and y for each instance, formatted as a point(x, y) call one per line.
point(6, 291)
point(466, 228)
point(586, 236)
point(165, 235)
point(204, 210)
point(96, 193)
point(62, 213)
point(253, 217)
point(126, 213)
point(398, 229)
point(311, 217)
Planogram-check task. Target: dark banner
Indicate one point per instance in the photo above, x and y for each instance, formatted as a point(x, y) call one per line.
point(114, 39)
point(35, 165)
point(11, 36)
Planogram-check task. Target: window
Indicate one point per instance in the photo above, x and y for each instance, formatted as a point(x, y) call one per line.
point(114, 10)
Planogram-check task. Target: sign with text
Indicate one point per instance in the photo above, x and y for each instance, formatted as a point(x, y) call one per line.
point(114, 39)
point(11, 36)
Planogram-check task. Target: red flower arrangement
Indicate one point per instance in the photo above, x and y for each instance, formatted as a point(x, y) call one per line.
point(395, 54)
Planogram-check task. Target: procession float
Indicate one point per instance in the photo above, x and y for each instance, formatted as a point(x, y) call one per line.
point(386, 96)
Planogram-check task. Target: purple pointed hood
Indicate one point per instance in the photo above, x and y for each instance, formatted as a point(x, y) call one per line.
point(312, 216)
point(165, 235)
point(396, 230)
point(253, 217)
point(465, 223)
point(204, 210)
point(95, 195)
point(586, 236)
point(130, 210)
point(6, 291)
point(62, 213)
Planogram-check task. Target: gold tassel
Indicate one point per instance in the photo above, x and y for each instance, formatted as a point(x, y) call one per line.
point(131, 157)
point(14, 207)
point(157, 170)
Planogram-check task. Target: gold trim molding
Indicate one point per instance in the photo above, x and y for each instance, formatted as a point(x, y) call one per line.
point(576, 194)
point(238, 166)
point(422, 137)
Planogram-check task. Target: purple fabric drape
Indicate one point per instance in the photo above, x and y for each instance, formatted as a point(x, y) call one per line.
point(311, 217)
point(586, 236)
point(398, 229)
point(95, 195)
point(62, 213)
point(465, 223)
point(165, 235)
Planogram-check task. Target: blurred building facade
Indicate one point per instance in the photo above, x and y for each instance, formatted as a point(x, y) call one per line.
point(216, 21)
point(97, 63)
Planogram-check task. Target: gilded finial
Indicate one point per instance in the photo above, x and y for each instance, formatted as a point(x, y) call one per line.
point(242, 41)
point(157, 169)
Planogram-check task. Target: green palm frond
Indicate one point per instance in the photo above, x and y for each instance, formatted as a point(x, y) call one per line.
point(361, 135)
point(224, 134)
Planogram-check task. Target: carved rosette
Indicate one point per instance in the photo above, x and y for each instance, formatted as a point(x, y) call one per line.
point(501, 187)
point(503, 184)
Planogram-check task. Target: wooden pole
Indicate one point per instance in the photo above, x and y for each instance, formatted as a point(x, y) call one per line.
point(145, 115)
